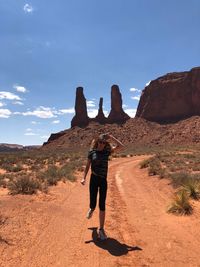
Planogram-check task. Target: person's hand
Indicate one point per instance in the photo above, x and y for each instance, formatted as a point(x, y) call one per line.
point(83, 181)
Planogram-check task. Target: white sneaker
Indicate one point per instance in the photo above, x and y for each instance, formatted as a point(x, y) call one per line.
point(102, 234)
point(89, 213)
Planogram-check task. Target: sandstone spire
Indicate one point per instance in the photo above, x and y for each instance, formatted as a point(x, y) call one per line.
point(81, 118)
point(117, 114)
point(100, 116)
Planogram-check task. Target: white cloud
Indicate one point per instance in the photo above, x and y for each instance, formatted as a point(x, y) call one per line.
point(30, 134)
point(28, 129)
point(134, 90)
point(66, 111)
point(9, 96)
point(147, 83)
point(135, 97)
point(18, 103)
point(90, 103)
point(131, 112)
point(56, 121)
point(20, 89)
point(44, 136)
point(92, 113)
point(41, 112)
point(5, 113)
point(2, 104)
point(35, 122)
point(28, 8)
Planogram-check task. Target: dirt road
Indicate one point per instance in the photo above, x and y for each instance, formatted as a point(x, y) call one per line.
point(52, 230)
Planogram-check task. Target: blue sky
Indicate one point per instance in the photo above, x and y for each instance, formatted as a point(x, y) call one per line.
point(48, 48)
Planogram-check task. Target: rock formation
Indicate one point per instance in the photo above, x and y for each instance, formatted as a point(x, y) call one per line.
point(81, 118)
point(100, 116)
point(171, 97)
point(117, 114)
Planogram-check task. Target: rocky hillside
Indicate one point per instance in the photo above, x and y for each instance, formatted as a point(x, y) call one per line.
point(134, 132)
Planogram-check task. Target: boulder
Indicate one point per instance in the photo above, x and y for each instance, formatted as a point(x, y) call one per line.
point(81, 118)
point(117, 114)
point(172, 97)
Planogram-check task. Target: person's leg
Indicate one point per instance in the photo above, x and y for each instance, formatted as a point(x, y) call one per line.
point(102, 200)
point(93, 191)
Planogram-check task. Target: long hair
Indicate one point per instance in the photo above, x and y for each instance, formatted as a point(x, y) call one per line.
point(94, 145)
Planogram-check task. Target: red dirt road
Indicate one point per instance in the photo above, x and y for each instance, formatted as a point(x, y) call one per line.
point(51, 230)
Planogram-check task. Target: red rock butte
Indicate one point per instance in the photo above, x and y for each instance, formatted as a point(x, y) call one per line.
point(172, 97)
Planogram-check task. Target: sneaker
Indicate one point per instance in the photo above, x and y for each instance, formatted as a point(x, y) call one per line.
point(89, 213)
point(102, 234)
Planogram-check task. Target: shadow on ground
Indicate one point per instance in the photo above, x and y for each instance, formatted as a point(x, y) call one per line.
point(112, 245)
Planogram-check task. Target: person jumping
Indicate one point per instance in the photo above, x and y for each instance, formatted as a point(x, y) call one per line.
point(98, 156)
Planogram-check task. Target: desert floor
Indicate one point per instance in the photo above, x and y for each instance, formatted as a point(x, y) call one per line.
point(52, 229)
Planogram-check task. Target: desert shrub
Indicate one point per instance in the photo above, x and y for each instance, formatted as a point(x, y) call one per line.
point(23, 185)
point(67, 171)
point(145, 163)
point(180, 178)
point(154, 167)
point(51, 175)
point(181, 204)
point(192, 187)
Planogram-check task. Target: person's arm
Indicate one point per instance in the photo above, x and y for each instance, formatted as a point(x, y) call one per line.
point(119, 144)
point(86, 172)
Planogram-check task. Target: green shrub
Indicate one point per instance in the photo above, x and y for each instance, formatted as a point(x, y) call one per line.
point(180, 178)
point(23, 185)
point(181, 204)
point(145, 163)
point(192, 187)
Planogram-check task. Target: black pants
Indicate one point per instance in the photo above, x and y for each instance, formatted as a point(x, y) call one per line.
point(98, 183)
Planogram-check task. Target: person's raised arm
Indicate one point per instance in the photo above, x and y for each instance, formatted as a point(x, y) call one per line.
point(86, 172)
point(118, 143)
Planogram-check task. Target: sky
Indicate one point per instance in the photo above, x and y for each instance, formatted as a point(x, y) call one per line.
point(49, 48)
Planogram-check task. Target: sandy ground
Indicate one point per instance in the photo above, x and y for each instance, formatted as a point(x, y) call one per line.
point(51, 230)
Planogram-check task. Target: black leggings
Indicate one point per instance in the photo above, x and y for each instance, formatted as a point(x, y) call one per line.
point(97, 182)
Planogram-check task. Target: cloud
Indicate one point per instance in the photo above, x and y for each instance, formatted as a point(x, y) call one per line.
point(147, 83)
point(134, 90)
point(92, 113)
point(28, 8)
point(44, 136)
point(41, 112)
point(20, 89)
point(135, 97)
point(5, 113)
point(34, 122)
point(66, 111)
point(90, 103)
point(30, 134)
point(9, 96)
point(28, 129)
point(2, 104)
point(131, 112)
point(18, 103)
point(56, 121)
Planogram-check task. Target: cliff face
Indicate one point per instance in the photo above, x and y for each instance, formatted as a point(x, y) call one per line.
point(172, 97)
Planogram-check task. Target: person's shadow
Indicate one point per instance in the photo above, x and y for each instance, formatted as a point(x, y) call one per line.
point(112, 245)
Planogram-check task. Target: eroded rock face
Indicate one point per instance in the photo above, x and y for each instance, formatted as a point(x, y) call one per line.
point(100, 118)
point(171, 97)
point(81, 118)
point(117, 114)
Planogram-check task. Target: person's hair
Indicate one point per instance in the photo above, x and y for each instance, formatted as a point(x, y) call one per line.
point(94, 144)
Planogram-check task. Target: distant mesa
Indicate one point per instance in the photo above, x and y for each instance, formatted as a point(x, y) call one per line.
point(172, 97)
point(117, 114)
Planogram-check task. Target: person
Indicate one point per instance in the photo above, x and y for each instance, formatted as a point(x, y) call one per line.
point(98, 157)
